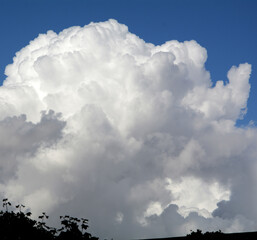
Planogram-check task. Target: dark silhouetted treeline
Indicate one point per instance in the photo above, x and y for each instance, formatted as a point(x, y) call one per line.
point(208, 235)
point(17, 225)
point(199, 235)
point(221, 236)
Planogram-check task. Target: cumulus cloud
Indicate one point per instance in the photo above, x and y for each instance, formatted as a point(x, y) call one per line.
point(97, 123)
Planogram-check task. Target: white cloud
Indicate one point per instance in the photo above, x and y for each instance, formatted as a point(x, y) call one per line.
point(186, 196)
point(94, 121)
point(223, 101)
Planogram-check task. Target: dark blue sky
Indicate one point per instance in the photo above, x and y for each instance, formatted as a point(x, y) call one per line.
point(227, 29)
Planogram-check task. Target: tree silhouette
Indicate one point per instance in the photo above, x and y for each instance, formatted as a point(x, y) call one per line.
point(71, 229)
point(19, 226)
point(198, 235)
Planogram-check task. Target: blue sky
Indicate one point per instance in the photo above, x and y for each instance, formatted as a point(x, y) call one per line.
point(227, 29)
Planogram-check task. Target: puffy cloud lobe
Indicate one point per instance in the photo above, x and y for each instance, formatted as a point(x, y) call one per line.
point(23, 139)
point(133, 136)
point(223, 101)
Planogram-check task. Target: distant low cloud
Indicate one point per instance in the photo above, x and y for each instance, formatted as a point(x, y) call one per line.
point(97, 123)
